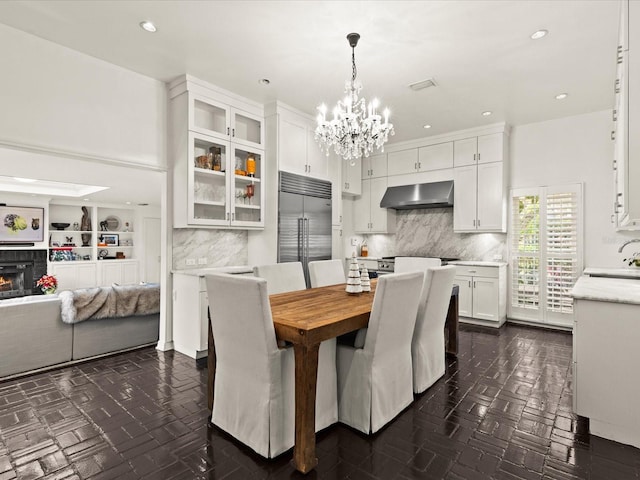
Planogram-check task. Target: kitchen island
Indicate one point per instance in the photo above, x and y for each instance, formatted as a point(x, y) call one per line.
point(606, 357)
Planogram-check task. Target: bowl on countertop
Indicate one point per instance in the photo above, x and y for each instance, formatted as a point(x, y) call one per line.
point(60, 226)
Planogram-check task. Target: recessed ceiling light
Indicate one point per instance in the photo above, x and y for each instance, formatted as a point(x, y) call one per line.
point(25, 180)
point(562, 96)
point(486, 113)
point(539, 34)
point(148, 26)
point(426, 126)
point(264, 81)
point(128, 203)
point(86, 199)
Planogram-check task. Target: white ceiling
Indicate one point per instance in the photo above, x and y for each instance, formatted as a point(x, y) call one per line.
point(479, 52)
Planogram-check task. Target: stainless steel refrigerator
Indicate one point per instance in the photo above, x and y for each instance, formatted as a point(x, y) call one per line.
point(304, 220)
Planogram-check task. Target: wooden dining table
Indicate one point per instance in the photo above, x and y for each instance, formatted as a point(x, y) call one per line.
point(306, 318)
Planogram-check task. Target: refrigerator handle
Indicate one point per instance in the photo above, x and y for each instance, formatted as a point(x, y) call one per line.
point(300, 244)
point(306, 237)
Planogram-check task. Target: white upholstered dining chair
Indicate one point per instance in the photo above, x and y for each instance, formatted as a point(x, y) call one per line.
point(375, 381)
point(282, 277)
point(427, 346)
point(326, 272)
point(415, 264)
point(254, 388)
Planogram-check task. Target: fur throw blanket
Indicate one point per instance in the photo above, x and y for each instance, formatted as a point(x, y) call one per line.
point(108, 302)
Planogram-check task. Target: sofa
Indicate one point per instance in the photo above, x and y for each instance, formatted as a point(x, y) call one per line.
point(45, 330)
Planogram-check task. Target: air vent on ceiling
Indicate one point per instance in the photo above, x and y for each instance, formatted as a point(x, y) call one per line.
point(429, 82)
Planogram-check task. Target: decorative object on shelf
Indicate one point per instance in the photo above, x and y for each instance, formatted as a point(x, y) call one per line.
point(76, 226)
point(355, 129)
point(110, 239)
point(353, 279)
point(250, 191)
point(204, 161)
point(126, 227)
point(69, 242)
point(251, 165)
point(102, 254)
point(126, 242)
point(48, 284)
point(365, 281)
point(216, 154)
point(60, 226)
point(120, 255)
point(85, 226)
point(113, 223)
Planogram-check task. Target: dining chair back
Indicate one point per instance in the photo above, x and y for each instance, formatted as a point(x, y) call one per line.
point(254, 387)
point(415, 264)
point(427, 346)
point(326, 272)
point(375, 381)
point(282, 277)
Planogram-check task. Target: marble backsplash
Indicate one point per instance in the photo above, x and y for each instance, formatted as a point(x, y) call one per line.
point(424, 232)
point(221, 248)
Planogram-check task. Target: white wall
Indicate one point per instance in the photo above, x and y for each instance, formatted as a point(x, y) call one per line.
point(574, 149)
point(59, 100)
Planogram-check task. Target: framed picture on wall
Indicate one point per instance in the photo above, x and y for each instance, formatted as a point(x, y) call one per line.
point(110, 239)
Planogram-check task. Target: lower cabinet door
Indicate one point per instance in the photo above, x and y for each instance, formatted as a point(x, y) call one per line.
point(485, 298)
point(465, 295)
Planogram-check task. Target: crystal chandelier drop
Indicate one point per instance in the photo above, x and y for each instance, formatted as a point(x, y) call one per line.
point(356, 128)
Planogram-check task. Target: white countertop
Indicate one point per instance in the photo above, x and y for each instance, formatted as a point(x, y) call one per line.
point(615, 290)
point(612, 272)
point(201, 272)
point(478, 263)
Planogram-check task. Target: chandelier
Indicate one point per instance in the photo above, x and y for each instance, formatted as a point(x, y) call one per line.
point(356, 128)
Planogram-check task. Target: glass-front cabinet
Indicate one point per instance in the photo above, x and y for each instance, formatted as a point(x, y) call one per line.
point(218, 165)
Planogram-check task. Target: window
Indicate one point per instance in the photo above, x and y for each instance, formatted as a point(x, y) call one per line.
point(546, 255)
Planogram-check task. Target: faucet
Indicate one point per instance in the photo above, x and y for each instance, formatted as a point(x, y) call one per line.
point(633, 240)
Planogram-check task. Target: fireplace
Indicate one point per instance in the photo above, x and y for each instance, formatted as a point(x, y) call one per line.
point(19, 271)
point(15, 279)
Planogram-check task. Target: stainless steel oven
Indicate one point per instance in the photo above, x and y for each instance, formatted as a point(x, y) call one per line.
point(387, 264)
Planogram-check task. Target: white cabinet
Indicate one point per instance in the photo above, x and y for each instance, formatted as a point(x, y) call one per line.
point(218, 158)
point(368, 216)
point(479, 198)
point(120, 272)
point(606, 355)
point(337, 242)
point(335, 175)
point(374, 166)
point(190, 326)
point(74, 275)
point(423, 159)
point(298, 152)
point(481, 149)
point(352, 177)
point(482, 295)
point(626, 116)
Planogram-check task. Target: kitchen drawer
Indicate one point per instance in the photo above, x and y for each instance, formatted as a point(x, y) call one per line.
point(476, 271)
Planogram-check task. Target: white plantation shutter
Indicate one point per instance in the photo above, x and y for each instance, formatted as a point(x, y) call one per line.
point(525, 248)
point(546, 254)
point(562, 250)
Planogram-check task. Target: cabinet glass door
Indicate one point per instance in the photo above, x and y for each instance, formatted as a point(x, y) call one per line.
point(209, 117)
point(208, 168)
point(246, 129)
point(247, 191)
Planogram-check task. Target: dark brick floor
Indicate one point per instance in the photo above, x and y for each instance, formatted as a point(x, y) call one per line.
point(502, 411)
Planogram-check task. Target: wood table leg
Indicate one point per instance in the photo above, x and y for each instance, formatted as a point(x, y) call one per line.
point(304, 450)
point(211, 365)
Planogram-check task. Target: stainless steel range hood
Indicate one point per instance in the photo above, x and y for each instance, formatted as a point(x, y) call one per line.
point(423, 195)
